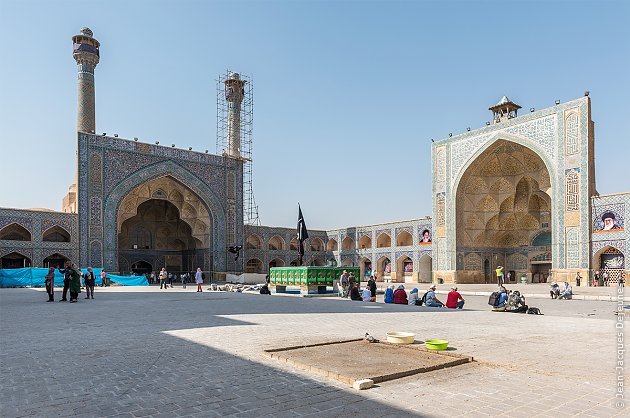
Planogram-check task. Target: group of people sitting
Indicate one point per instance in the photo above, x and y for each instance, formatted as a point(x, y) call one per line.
point(399, 296)
point(349, 286)
point(510, 301)
point(556, 293)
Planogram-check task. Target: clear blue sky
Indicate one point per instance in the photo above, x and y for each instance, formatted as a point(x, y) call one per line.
point(347, 94)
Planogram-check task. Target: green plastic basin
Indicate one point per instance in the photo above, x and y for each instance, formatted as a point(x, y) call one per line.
point(436, 344)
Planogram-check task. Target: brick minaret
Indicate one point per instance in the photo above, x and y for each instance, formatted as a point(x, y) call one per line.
point(86, 53)
point(234, 93)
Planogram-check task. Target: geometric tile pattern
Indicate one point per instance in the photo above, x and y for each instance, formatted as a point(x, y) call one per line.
point(125, 165)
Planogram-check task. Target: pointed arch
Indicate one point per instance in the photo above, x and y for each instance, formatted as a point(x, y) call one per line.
point(404, 268)
point(404, 239)
point(383, 240)
point(425, 269)
point(347, 244)
point(332, 245)
point(276, 243)
point(365, 242)
point(384, 267)
point(15, 232)
point(317, 244)
point(211, 205)
point(254, 265)
point(15, 260)
point(56, 234)
point(55, 260)
point(276, 262)
point(254, 242)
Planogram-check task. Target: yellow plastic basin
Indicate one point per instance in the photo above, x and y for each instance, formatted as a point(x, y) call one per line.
point(436, 344)
point(401, 337)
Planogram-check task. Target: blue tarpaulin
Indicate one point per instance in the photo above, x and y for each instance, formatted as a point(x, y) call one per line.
point(35, 277)
point(128, 280)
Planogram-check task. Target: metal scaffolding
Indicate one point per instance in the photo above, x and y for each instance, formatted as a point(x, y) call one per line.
point(250, 209)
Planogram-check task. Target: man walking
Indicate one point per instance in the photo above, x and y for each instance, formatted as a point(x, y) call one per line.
point(163, 276)
point(90, 281)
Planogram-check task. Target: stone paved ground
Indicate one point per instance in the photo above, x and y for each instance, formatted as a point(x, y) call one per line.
point(144, 352)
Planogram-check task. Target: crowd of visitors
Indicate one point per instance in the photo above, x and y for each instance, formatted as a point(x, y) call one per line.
point(73, 275)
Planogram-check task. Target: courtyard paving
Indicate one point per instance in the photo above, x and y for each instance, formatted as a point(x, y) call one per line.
point(135, 352)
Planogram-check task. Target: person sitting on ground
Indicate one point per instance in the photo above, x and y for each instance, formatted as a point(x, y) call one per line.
point(413, 297)
point(503, 298)
point(454, 299)
point(567, 292)
point(264, 290)
point(389, 294)
point(354, 293)
point(366, 294)
point(516, 302)
point(431, 299)
point(400, 296)
point(554, 290)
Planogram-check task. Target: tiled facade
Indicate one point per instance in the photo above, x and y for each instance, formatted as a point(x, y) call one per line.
point(562, 136)
point(37, 223)
point(111, 168)
point(354, 246)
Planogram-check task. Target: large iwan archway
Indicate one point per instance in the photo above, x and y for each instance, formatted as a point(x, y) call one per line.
point(164, 224)
point(502, 202)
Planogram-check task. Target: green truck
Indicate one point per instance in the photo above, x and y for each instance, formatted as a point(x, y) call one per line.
point(310, 279)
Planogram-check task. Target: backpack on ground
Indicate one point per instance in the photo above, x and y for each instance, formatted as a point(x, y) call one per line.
point(493, 300)
point(534, 311)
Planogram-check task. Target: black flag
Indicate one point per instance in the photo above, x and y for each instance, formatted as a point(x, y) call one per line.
point(302, 233)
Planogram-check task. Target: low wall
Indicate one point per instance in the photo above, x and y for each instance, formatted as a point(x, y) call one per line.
point(245, 278)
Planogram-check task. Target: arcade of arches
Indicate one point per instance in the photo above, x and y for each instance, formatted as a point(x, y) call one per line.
point(503, 203)
point(162, 223)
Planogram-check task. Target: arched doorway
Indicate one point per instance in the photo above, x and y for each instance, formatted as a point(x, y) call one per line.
point(383, 241)
point(56, 234)
point(365, 266)
point(347, 244)
point(276, 262)
point(365, 242)
point(276, 243)
point(254, 242)
point(317, 245)
point(55, 260)
point(384, 268)
point(15, 260)
point(404, 269)
point(425, 266)
point(404, 239)
point(164, 224)
point(253, 265)
point(141, 268)
point(610, 262)
point(15, 232)
point(318, 262)
point(503, 201)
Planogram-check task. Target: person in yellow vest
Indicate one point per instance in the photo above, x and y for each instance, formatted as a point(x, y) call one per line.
point(500, 275)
